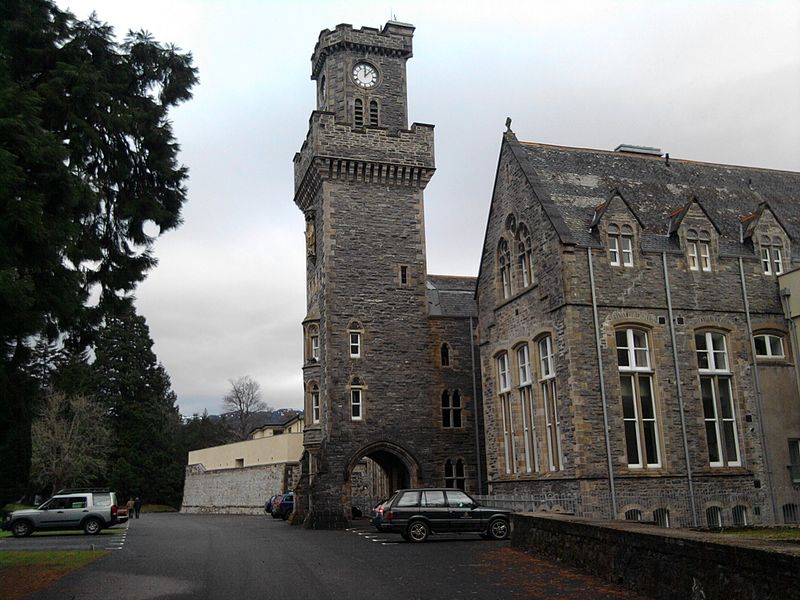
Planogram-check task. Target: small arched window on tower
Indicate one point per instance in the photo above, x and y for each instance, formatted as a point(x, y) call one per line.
point(373, 113)
point(358, 112)
point(445, 355)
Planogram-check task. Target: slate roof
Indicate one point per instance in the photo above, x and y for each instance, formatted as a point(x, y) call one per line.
point(451, 296)
point(572, 182)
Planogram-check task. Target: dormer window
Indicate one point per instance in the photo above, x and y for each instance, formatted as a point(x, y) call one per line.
point(698, 250)
point(620, 245)
point(771, 255)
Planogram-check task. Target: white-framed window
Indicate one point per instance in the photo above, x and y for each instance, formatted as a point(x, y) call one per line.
point(524, 261)
point(315, 346)
point(716, 393)
point(771, 255)
point(355, 344)
point(503, 374)
point(769, 345)
point(698, 250)
point(315, 409)
point(620, 245)
point(451, 409)
point(356, 400)
point(454, 476)
point(504, 265)
point(527, 407)
point(547, 388)
point(509, 442)
point(638, 402)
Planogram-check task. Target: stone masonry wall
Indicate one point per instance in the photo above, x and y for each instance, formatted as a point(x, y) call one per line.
point(235, 491)
point(664, 564)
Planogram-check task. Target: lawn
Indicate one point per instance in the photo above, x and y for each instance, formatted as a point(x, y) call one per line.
point(778, 534)
point(25, 572)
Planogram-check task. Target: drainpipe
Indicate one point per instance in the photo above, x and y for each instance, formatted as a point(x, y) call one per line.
point(679, 389)
point(757, 382)
point(475, 407)
point(602, 386)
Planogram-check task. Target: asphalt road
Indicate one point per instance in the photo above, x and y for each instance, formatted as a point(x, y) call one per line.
point(256, 557)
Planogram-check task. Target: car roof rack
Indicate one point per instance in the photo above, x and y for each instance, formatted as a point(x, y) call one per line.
point(80, 490)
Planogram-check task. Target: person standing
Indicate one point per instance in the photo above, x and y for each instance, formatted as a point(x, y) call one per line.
point(137, 506)
point(129, 505)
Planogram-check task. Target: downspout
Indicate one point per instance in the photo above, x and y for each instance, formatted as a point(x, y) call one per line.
point(678, 388)
point(475, 407)
point(602, 386)
point(757, 382)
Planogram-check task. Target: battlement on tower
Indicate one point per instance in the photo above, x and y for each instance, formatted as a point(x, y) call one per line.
point(393, 39)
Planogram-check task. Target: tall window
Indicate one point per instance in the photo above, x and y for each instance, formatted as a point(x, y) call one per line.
point(358, 112)
point(504, 263)
point(717, 396)
point(356, 400)
point(454, 474)
point(768, 346)
point(714, 517)
point(373, 113)
point(314, 393)
point(771, 255)
point(524, 256)
point(445, 355)
point(638, 403)
point(794, 461)
point(528, 409)
point(355, 344)
point(451, 409)
point(547, 387)
point(313, 342)
point(504, 386)
point(620, 245)
point(698, 250)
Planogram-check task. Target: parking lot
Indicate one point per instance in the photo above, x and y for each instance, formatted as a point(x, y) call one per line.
point(231, 557)
point(108, 539)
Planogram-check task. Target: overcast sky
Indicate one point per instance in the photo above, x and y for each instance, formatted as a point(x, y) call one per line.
point(713, 81)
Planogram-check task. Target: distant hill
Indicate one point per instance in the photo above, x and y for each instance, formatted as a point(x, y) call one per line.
point(261, 418)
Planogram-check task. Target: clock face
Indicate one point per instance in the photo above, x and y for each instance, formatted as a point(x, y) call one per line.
point(365, 75)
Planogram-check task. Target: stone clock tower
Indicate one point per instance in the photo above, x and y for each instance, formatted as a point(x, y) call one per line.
point(369, 349)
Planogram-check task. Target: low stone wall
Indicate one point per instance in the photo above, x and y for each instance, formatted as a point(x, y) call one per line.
point(235, 491)
point(665, 563)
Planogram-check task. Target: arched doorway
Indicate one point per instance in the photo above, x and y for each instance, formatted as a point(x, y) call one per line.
point(375, 472)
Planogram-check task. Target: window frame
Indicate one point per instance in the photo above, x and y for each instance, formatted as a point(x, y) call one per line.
point(620, 245)
point(768, 354)
point(698, 250)
point(640, 374)
point(356, 390)
point(549, 395)
point(315, 403)
point(504, 269)
point(455, 475)
point(720, 379)
point(352, 335)
point(525, 257)
point(452, 417)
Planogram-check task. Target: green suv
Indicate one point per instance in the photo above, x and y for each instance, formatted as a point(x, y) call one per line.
point(90, 509)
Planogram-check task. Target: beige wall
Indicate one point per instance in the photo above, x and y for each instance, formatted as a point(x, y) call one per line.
point(286, 447)
point(266, 431)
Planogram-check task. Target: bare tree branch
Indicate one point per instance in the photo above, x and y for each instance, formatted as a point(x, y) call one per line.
point(243, 400)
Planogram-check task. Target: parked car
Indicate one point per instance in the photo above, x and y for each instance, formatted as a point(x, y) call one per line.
point(377, 514)
point(270, 503)
point(90, 509)
point(283, 506)
point(416, 514)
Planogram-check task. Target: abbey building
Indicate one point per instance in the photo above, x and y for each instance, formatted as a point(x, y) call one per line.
point(627, 342)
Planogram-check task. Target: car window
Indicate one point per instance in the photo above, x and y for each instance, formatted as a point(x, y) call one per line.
point(58, 504)
point(77, 502)
point(102, 500)
point(408, 499)
point(433, 499)
point(458, 499)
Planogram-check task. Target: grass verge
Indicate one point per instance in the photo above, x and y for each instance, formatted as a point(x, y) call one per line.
point(782, 534)
point(24, 572)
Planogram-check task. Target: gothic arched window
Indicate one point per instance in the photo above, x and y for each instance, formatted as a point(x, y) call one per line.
point(504, 264)
point(524, 256)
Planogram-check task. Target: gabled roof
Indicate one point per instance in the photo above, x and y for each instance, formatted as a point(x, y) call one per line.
point(676, 217)
point(754, 218)
point(451, 296)
point(571, 182)
point(600, 210)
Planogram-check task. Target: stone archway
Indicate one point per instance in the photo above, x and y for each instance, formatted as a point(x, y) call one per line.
point(375, 471)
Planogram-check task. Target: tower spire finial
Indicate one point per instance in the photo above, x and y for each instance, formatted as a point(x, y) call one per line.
point(508, 125)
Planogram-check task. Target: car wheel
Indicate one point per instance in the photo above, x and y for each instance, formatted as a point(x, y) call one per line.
point(276, 514)
point(92, 526)
point(418, 531)
point(285, 515)
point(22, 528)
point(498, 529)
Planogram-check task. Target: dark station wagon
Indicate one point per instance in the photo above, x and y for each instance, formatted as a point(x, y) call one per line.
point(415, 514)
